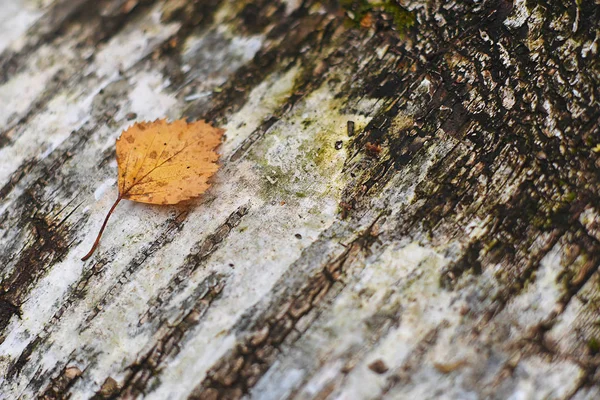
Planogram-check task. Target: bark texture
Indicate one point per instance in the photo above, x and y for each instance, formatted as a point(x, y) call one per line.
point(408, 204)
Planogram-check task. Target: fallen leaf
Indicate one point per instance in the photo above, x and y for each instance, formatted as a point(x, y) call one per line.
point(164, 163)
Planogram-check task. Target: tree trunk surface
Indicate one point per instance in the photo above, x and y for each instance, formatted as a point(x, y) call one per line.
point(408, 203)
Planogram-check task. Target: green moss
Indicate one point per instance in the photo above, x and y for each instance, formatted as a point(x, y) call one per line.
point(490, 245)
point(277, 181)
point(593, 345)
point(542, 222)
point(402, 19)
point(569, 197)
point(298, 157)
point(316, 210)
point(320, 150)
point(316, 160)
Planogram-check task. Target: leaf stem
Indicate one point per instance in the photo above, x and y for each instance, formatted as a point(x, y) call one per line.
point(89, 254)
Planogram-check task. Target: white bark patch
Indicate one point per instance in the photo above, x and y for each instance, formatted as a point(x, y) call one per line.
point(291, 5)
point(519, 15)
point(212, 57)
point(263, 100)
point(508, 98)
point(539, 299)
point(148, 98)
point(64, 114)
point(368, 295)
point(17, 17)
point(136, 41)
point(591, 220)
point(104, 186)
point(21, 90)
point(551, 123)
point(548, 380)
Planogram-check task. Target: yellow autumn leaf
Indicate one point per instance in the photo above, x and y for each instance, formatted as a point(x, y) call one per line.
point(164, 163)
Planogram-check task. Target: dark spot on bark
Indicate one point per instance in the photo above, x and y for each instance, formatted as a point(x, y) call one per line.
point(59, 385)
point(15, 369)
point(350, 128)
point(378, 366)
point(8, 309)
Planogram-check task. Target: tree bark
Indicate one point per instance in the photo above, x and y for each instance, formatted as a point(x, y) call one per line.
point(407, 204)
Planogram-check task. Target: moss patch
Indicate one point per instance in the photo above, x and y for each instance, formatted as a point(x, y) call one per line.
point(594, 345)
